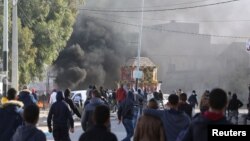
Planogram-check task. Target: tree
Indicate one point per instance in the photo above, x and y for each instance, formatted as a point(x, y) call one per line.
point(44, 28)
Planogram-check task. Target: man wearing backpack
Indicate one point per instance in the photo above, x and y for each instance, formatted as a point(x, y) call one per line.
point(10, 116)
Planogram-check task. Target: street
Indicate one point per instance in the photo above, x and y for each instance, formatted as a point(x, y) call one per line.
point(116, 128)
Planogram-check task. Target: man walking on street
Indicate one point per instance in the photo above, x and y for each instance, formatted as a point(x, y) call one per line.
point(87, 121)
point(100, 131)
point(62, 119)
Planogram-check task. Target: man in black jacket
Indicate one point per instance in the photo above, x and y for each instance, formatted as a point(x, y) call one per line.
point(60, 113)
point(70, 103)
point(100, 131)
point(198, 130)
point(88, 111)
point(26, 97)
point(10, 116)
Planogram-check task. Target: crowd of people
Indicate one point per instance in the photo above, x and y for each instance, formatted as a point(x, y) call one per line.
point(142, 119)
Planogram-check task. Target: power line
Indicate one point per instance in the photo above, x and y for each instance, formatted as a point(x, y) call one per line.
point(26, 19)
point(169, 5)
point(172, 31)
point(159, 10)
point(155, 19)
point(182, 3)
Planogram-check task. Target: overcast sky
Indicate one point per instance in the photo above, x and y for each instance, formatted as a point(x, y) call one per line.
point(233, 17)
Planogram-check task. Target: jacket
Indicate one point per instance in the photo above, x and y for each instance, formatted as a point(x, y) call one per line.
point(72, 107)
point(126, 108)
point(149, 128)
point(28, 133)
point(173, 121)
point(197, 131)
point(10, 119)
point(120, 94)
point(87, 121)
point(60, 113)
point(185, 107)
point(26, 97)
point(98, 133)
point(234, 104)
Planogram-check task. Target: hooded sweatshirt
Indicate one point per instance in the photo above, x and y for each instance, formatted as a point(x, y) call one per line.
point(88, 111)
point(60, 113)
point(28, 133)
point(126, 108)
point(173, 121)
point(10, 119)
point(197, 131)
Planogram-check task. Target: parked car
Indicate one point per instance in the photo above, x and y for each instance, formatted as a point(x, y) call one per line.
point(79, 97)
point(165, 98)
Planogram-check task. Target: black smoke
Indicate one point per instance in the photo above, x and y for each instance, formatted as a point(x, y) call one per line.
point(94, 54)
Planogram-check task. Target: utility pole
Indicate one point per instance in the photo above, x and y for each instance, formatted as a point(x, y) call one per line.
point(5, 47)
point(138, 73)
point(14, 73)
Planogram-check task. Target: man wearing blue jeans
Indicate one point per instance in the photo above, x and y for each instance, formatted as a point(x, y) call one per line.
point(125, 115)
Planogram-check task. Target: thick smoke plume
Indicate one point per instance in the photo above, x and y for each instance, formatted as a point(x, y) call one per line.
point(93, 55)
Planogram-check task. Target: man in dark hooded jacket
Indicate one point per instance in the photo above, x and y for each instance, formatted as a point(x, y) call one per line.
point(87, 114)
point(62, 118)
point(198, 130)
point(10, 116)
point(126, 113)
point(233, 108)
point(29, 132)
point(26, 97)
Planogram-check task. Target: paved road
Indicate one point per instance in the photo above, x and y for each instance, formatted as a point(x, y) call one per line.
point(118, 130)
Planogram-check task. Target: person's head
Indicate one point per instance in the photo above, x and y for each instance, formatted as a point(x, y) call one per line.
point(193, 91)
point(67, 93)
point(33, 90)
point(152, 104)
point(234, 96)
point(217, 99)
point(229, 93)
point(183, 97)
point(31, 114)
point(25, 87)
point(90, 86)
point(139, 91)
point(121, 85)
point(102, 115)
point(95, 93)
point(173, 101)
point(11, 94)
point(59, 96)
point(130, 95)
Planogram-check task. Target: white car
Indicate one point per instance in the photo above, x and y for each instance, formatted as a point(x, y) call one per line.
point(79, 97)
point(165, 98)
